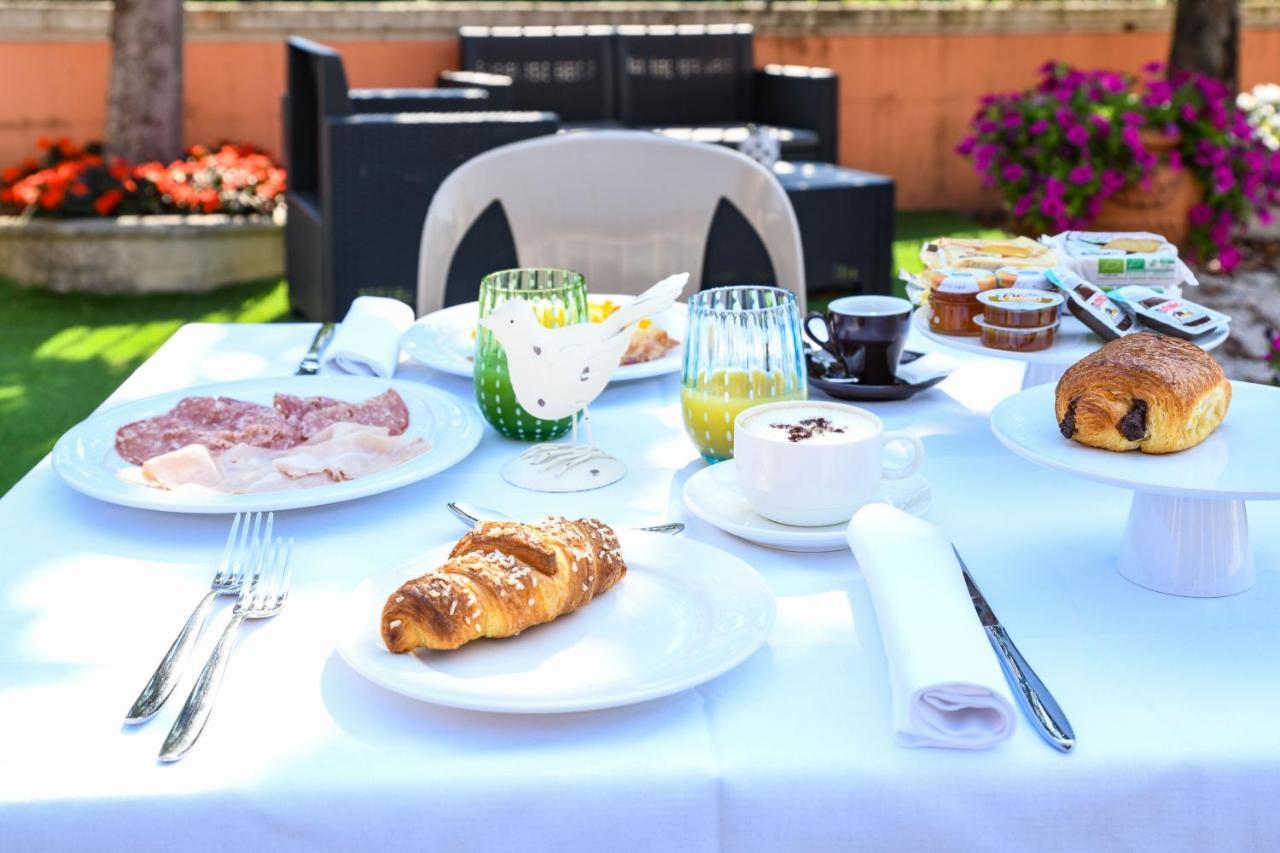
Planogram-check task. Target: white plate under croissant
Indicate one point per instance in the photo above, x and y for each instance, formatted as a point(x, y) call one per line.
point(683, 614)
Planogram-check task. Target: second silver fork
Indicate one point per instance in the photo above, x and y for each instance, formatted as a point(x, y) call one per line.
point(260, 597)
point(241, 546)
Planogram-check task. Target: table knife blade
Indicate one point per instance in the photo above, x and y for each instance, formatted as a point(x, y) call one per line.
point(1036, 700)
point(310, 364)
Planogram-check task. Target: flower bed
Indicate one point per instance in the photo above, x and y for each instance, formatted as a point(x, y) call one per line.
point(72, 220)
point(1061, 150)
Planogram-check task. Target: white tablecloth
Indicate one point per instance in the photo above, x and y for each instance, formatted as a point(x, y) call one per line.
point(1173, 699)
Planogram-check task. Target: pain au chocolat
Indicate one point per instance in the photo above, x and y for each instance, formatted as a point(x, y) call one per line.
point(1143, 392)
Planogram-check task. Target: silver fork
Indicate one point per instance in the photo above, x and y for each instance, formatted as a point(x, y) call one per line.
point(260, 598)
point(235, 557)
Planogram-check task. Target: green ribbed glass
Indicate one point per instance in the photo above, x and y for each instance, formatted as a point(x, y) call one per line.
point(559, 297)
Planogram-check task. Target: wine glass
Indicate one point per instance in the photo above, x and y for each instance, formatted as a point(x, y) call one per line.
point(744, 349)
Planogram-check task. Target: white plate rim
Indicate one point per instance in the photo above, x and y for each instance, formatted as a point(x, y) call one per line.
point(1055, 354)
point(353, 627)
point(442, 455)
point(1000, 414)
point(832, 537)
point(438, 359)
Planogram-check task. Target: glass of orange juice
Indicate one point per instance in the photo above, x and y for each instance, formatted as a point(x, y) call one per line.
point(743, 349)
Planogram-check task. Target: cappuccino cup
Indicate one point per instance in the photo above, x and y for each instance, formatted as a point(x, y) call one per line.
point(812, 464)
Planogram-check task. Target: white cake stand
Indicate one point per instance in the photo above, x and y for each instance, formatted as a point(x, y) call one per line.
point(1188, 533)
point(1073, 342)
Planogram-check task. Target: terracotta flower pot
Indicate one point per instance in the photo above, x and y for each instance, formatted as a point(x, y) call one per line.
point(1161, 207)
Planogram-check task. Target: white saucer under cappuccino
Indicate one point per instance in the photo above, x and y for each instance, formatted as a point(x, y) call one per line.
point(810, 464)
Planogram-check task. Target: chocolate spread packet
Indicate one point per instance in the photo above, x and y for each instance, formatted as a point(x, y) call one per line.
point(1091, 306)
point(1168, 314)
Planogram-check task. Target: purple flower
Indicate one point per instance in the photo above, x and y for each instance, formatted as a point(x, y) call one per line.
point(1229, 258)
point(1264, 217)
point(1052, 207)
point(1200, 215)
point(1112, 181)
point(1174, 160)
point(1189, 113)
point(1064, 116)
point(965, 148)
point(983, 155)
point(1023, 205)
point(1112, 82)
point(1132, 137)
point(1131, 118)
point(1038, 127)
point(1081, 174)
point(1054, 188)
point(986, 125)
point(1171, 130)
point(1012, 172)
point(1013, 120)
point(1078, 135)
point(1153, 67)
point(1100, 122)
point(1224, 180)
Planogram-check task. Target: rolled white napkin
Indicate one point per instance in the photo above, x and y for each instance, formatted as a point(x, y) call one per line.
point(948, 689)
point(926, 367)
point(367, 342)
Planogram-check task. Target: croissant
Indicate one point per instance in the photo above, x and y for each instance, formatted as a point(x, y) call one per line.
point(1143, 392)
point(501, 578)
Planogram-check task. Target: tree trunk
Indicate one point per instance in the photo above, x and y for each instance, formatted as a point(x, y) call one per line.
point(1206, 38)
point(144, 101)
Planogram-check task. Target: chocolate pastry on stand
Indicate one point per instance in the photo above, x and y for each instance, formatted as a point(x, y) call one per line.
point(1143, 392)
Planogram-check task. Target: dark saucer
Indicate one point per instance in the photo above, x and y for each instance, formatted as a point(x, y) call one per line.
point(830, 377)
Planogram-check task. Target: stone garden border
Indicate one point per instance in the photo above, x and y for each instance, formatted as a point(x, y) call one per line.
point(141, 254)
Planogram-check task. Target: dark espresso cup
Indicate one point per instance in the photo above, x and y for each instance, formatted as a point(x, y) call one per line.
point(865, 333)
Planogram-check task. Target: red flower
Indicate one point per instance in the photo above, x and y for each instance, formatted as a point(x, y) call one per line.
point(51, 196)
point(107, 202)
point(10, 175)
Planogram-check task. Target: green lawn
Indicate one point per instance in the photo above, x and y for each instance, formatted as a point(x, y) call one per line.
point(61, 355)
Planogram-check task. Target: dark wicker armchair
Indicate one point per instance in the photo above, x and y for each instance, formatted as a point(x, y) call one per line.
point(363, 166)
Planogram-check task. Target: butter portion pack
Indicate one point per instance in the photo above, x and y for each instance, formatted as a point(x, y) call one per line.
point(1116, 258)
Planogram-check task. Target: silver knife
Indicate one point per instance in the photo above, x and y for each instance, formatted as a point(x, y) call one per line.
point(1034, 697)
point(471, 515)
point(310, 364)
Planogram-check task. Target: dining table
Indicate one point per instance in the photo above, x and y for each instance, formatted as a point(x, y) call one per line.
point(1171, 698)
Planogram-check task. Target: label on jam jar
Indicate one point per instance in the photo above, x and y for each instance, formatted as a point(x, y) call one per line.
point(1091, 306)
point(1170, 315)
point(962, 281)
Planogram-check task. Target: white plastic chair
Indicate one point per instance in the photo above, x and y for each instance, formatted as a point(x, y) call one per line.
point(624, 208)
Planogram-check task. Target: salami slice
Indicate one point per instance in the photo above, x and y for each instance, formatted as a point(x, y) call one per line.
point(385, 410)
point(219, 423)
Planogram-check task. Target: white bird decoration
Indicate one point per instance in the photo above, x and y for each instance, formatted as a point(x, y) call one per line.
point(556, 373)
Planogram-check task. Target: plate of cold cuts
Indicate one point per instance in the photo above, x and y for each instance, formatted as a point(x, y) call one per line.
point(267, 444)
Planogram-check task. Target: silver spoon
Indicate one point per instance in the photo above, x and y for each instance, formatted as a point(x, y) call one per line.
point(471, 515)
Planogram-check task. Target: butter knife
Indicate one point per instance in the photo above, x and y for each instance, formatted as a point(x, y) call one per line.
point(1034, 697)
point(310, 364)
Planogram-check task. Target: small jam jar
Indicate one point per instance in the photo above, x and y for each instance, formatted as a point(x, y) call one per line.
point(953, 299)
point(1019, 320)
point(1026, 279)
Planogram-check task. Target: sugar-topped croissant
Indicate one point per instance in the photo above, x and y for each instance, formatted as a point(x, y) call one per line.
point(501, 578)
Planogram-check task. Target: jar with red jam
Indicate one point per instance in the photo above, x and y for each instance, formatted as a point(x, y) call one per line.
point(1019, 320)
point(953, 299)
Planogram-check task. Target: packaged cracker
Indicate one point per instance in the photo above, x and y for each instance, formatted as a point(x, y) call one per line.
point(1114, 258)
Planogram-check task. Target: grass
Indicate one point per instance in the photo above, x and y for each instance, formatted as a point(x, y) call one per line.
point(62, 355)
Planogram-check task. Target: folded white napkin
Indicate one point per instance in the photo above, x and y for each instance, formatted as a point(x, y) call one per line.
point(926, 367)
point(367, 342)
point(948, 689)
